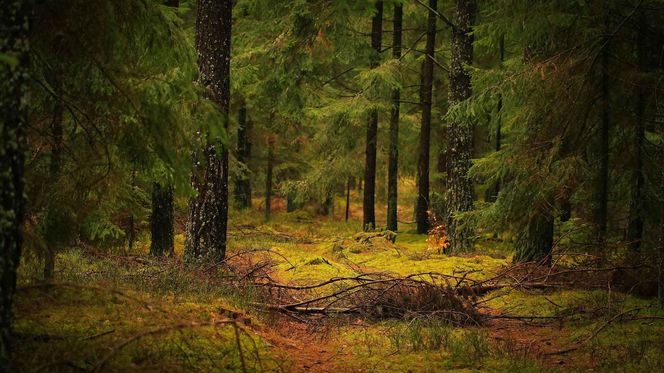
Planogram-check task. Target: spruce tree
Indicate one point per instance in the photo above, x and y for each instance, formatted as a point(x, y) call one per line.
point(393, 157)
point(208, 210)
point(422, 208)
point(162, 221)
point(637, 201)
point(14, 47)
point(459, 197)
point(369, 217)
point(243, 179)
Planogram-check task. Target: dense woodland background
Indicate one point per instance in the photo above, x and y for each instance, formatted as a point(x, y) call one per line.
point(211, 150)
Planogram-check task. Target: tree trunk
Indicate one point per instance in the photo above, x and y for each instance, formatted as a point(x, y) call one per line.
point(54, 168)
point(329, 204)
point(565, 210)
point(459, 196)
point(268, 180)
point(131, 231)
point(422, 207)
point(291, 202)
point(348, 198)
point(208, 210)
point(491, 194)
point(14, 20)
point(243, 182)
point(536, 244)
point(637, 201)
point(393, 161)
point(369, 219)
point(162, 221)
point(603, 171)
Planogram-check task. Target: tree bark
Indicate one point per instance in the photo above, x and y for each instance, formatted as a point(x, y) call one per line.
point(637, 201)
point(55, 167)
point(268, 180)
point(243, 182)
point(369, 218)
point(329, 204)
point(348, 198)
point(393, 161)
point(491, 194)
point(208, 210)
point(603, 169)
point(422, 207)
point(459, 196)
point(131, 231)
point(536, 244)
point(162, 221)
point(14, 20)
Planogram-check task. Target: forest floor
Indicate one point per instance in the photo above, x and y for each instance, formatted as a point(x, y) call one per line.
point(122, 311)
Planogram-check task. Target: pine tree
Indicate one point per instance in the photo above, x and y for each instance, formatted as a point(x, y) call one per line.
point(14, 20)
point(460, 189)
point(369, 218)
point(208, 210)
point(55, 167)
point(393, 157)
point(637, 201)
point(162, 221)
point(422, 208)
point(601, 212)
point(269, 168)
point(492, 191)
point(243, 179)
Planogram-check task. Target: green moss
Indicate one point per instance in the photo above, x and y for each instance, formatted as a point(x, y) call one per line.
point(75, 327)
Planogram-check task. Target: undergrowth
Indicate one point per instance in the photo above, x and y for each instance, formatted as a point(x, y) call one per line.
point(115, 296)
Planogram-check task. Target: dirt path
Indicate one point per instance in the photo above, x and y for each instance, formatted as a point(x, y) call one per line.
point(302, 348)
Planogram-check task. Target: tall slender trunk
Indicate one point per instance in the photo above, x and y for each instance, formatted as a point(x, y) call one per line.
point(208, 210)
point(491, 194)
point(637, 201)
point(348, 198)
point(14, 21)
point(131, 231)
point(243, 181)
point(54, 168)
point(459, 196)
point(393, 161)
point(422, 207)
point(268, 179)
point(291, 202)
point(369, 219)
point(162, 220)
point(603, 170)
point(536, 242)
point(329, 204)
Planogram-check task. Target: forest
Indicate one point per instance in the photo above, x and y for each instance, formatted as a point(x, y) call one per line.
point(331, 185)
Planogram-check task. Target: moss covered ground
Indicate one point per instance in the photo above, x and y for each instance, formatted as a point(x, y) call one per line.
point(118, 311)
